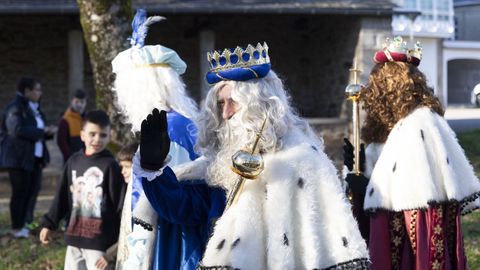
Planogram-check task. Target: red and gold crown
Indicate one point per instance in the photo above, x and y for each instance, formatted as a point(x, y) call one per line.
point(397, 50)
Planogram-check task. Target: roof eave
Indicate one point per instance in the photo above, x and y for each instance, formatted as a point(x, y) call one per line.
point(44, 10)
point(163, 9)
point(259, 10)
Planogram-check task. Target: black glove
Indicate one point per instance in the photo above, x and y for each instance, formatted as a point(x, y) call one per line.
point(357, 183)
point(154, 141)
point(348, 155)
point(356, 191)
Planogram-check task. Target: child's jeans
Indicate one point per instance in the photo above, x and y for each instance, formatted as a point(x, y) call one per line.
point(82, 259)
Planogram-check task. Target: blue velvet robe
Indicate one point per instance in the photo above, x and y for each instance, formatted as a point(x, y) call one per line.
point(185, 209)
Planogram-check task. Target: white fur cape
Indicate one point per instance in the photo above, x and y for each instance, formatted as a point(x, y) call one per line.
point(420, 163)
point(295, 216)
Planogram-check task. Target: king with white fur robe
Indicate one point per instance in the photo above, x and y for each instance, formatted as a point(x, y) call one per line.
point(420, 184)
point(294, 216)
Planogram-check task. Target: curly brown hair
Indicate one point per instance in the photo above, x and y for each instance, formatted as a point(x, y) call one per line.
point(394, 90)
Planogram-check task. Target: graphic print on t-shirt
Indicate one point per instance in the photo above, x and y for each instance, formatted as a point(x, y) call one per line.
point(87, 193)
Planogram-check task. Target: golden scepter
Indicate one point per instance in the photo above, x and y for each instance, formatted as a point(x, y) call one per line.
point(352, 91)
point(248, 165)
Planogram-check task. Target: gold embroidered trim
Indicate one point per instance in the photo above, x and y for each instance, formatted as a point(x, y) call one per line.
point(437, 243)
point(222, 78)
point(253, 71)
point(412, 232)
point(388, 55)
point(397, 233)
point(152, 65)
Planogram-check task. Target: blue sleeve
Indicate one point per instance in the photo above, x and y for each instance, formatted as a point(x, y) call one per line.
point(182, 131)
point(183, 204)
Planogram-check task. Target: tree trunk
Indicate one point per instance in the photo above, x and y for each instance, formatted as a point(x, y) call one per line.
point(106, 27)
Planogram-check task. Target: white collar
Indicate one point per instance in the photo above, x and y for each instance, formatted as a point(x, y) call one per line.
point(33, 105)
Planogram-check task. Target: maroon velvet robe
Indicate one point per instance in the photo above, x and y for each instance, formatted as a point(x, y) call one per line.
point(417, 239)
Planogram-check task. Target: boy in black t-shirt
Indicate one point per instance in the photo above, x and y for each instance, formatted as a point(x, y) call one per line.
point(91, 191)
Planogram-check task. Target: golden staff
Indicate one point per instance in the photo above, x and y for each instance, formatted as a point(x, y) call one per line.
point(352, 91)
point(248, 165)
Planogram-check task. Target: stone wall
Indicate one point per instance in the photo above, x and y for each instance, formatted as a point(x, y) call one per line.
point(374, 31)
point(332, 130)
point(38, 46)
point(311, 53)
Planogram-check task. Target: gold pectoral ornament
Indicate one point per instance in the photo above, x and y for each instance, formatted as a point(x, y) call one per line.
point(248, 164)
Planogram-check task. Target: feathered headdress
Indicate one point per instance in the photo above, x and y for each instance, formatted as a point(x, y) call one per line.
point(140, 26)
point(150, 56)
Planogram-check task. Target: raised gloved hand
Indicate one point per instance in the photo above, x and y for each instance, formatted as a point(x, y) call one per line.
point(348, 155)
point(154, 141)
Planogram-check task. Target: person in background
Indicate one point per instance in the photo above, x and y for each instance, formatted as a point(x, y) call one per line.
point(118, 252)
point(68, 136)
point(23, 152)
point(91, 192)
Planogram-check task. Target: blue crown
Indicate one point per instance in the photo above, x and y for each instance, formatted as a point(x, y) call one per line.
point(238, 64)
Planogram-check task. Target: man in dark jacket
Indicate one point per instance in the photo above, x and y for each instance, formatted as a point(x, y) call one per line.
point(23, 151)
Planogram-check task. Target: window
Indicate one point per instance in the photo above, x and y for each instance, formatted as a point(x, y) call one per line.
point(436, 18)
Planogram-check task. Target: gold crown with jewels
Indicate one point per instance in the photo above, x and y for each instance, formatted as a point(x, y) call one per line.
point(239, 57)
point(397, 50)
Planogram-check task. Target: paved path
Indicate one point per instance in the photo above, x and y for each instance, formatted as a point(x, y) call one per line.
point(48, 185)
point(43, 203)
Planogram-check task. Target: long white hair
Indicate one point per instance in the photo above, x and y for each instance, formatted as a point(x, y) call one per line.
point(258, 99)
point(140, 90)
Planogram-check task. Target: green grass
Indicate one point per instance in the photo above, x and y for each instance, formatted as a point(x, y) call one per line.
point(471, 233)
point(470, 142)
point(29, 253)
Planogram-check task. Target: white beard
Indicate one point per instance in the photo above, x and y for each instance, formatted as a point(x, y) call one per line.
point(235, 137)
point(138, 94)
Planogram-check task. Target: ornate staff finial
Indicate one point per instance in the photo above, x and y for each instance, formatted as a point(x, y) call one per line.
point(248, 164)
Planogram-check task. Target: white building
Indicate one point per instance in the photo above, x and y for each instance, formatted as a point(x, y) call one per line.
point(432, 23)
point(461, 56)
point(448, 31)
